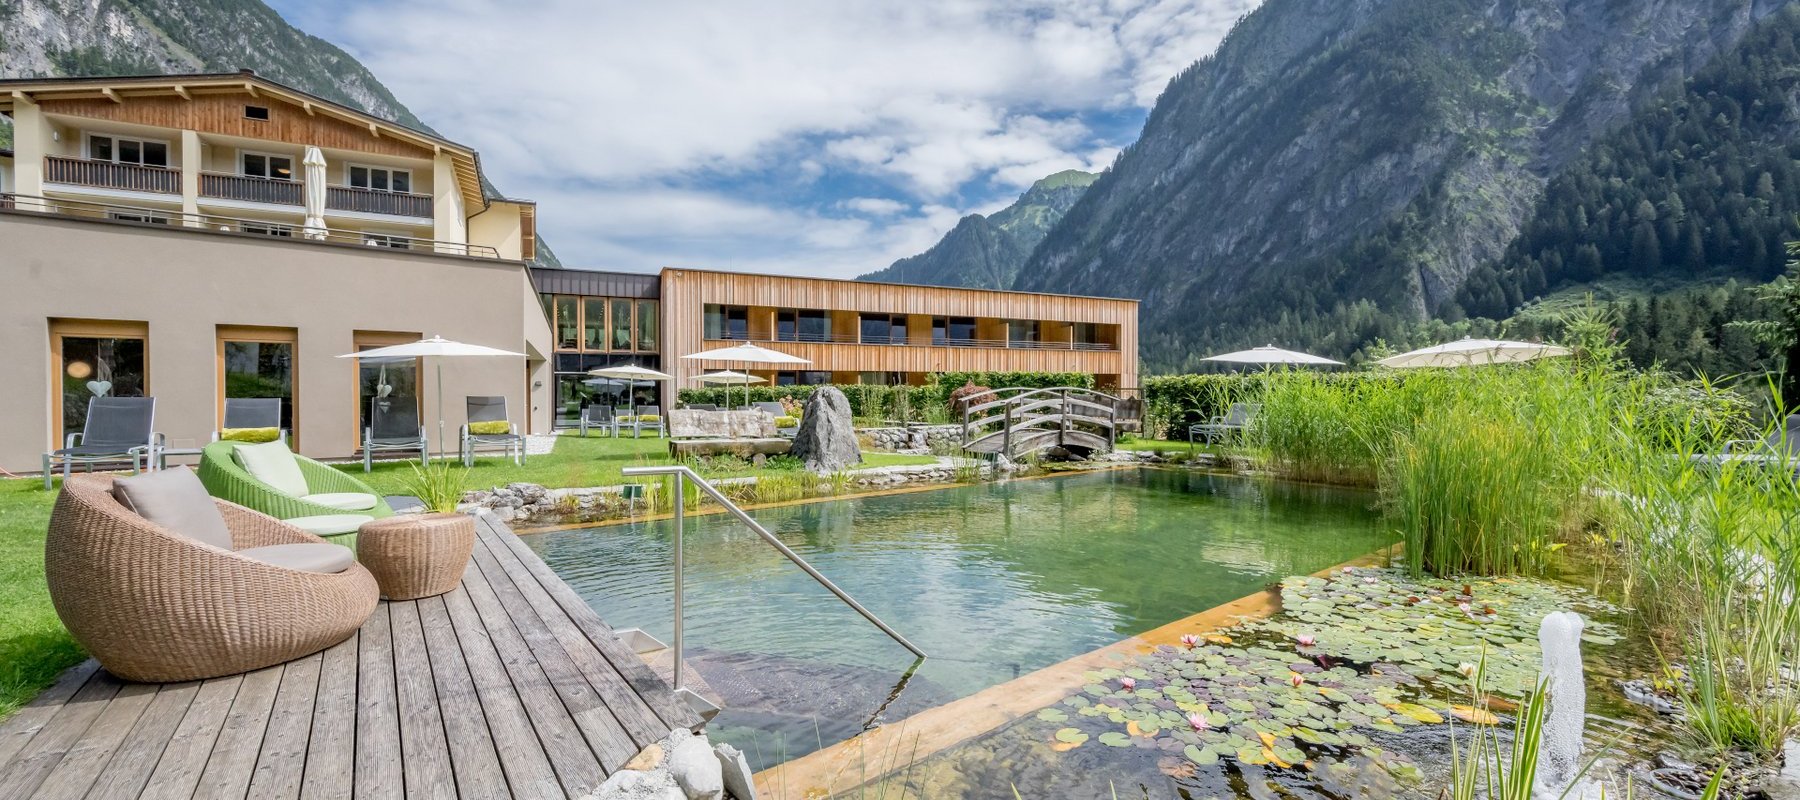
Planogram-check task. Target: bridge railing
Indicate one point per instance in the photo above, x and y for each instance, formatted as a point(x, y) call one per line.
point(1016, 420)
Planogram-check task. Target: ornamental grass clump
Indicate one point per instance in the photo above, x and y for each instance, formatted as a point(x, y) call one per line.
point(439, 486)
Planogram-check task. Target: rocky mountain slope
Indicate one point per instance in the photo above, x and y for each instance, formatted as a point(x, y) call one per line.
point(1339, 168)
point(986, 252)
point(55, 38)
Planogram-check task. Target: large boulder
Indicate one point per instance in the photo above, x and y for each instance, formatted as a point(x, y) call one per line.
point(826, 440)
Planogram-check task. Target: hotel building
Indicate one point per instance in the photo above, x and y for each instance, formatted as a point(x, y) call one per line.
point(154, 240)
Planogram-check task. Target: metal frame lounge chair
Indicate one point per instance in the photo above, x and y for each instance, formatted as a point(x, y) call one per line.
point(1781, 446)
point(638, 424)
point(159, 605)
point(1219, 428)
point(118, 429)
point(227, 479)
point(490, 409)
point(602, 417)
point(252, 413)
point(394, 429)
point(772, 409)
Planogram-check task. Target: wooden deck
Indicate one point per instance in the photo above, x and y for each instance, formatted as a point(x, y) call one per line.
point(509, 686)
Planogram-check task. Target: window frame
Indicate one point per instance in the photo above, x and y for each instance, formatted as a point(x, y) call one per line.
point(259, 334)
point(242, 154)
point(63, 328)
point(88, 144)
point(273, 230)
point(349, 181)
point(147, 217)
point(391, 241)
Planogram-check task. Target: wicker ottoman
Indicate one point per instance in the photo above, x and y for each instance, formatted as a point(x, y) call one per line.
point(416, 555)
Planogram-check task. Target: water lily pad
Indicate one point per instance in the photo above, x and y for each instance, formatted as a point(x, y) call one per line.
point(1071, 736)
point(1115, 739)
point(1205, 757)
point(1052, 715)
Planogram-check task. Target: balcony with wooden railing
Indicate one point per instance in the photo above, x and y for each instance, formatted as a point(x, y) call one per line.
point(225, 186)
point(111, 175)
point(374, 201)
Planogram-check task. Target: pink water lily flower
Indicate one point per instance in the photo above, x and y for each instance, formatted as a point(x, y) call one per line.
point(1306, 640)
point(1190, 641)
point(1464, 607)
point(1128, 682)
point(1349, 570)
point(1369, 580)
point(1199, 722)
point(1296, 680)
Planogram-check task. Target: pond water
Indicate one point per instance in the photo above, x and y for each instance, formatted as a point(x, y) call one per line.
point(992, 580)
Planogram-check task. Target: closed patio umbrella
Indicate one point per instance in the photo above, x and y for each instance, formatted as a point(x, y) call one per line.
point(732, 378)
point(1270, 354)
point(1474, 352)
point(441, 348)
point(315, 193)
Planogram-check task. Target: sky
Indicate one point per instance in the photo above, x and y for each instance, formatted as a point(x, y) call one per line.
point(822, 138)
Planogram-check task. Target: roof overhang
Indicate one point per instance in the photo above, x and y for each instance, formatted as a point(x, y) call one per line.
point(28, 91)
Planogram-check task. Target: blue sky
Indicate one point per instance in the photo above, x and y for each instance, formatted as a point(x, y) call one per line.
point(797, 136)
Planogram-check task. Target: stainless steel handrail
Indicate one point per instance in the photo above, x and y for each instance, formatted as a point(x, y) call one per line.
point(682, 471)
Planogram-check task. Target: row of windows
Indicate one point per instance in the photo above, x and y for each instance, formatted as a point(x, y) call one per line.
point(388, 240)
point(814, 325)
point(600, 324)
point(269, 166)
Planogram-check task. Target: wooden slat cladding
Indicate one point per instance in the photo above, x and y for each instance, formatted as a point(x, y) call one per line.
point(224, 114)
point(687, 292)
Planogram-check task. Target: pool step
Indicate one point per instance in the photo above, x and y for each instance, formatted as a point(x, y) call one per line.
point(661, 659)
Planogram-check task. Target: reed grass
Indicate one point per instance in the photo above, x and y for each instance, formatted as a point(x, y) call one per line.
point(438, 485)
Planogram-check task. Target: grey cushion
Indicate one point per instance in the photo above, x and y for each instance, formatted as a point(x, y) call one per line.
point(322, 558)
point(174, 499)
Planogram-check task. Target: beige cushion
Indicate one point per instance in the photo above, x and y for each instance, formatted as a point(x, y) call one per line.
point(329, 524)
point(174, 499)
point(273, 463)
point(325, 558)
point(344, 501)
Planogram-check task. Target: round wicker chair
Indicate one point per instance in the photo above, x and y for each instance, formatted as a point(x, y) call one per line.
point(153, 605)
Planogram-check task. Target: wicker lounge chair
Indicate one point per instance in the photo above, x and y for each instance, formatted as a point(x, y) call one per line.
point(246, 417)
point(1219, 428)
point(155, 605)
point(118, 430)
point(227, 479)
point(394, 428)
point(490, 411)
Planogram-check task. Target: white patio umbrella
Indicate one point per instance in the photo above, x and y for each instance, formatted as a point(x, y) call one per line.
point(315, 193)
point(747, 353)
point(1474, 352)
point(435, 346)
point(732, 378)
point(631, 374)
point(1270, 354)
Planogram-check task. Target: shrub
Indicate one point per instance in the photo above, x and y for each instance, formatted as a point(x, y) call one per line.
point(961, 395)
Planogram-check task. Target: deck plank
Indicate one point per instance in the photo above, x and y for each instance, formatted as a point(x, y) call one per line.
point(472, 756)
point(61, 733)
point(129, 769)
point(85, 759)
point(425, 752)
point(644, 682)
point(282, 762)
point(527, 764)
point(379, 772)
point(177, 773)
point(233, 760)
point(577, 769)
point(17, 730)
point(330, 751)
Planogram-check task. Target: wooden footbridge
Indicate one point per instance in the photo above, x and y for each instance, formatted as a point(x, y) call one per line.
point(1018, 420)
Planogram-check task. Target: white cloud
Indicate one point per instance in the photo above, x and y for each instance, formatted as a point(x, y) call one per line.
point(698, 131)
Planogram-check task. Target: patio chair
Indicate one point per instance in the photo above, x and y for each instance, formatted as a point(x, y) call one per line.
point(182, 587)
point(702, 407)
point(118, 429)
point(394, 428)
point(252, 419)
point(320, 499)
point(1237, 420)
point(648, 417)
point(772, 409)
point(1781, 446)
point(602, 417)
point(489, 428)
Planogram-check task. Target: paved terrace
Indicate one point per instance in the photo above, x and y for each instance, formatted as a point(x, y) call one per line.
point(509, 686)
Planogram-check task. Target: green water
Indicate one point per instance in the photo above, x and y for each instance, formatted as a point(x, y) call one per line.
point(992, 581)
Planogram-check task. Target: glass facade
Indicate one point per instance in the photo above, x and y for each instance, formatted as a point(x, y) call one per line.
point(262, 369)
point(576, 389)
point(98, 367)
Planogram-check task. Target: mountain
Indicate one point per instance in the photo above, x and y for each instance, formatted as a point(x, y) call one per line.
point(55, 38)
point(987, 252)
point(1338, 169)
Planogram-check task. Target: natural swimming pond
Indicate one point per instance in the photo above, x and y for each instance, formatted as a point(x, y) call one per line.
point(992, 580)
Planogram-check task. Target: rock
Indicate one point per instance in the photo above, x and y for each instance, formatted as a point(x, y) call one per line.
point(695, 767)
point(826, 441)
point(636, 785)
point(735, 769)
point(648, 758)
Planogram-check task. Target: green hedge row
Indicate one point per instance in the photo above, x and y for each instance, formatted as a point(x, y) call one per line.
point(872, 403)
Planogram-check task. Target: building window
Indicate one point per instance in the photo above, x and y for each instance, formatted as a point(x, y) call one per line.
point(142, 152)
point(380, 179)
point(265, 165)
point(883, 328)
point(568, 323)
point(593, 323)
point(388, 240)
point(256, 112)
point(259, 363)
point(646, 325)
point(803, 378)
point(137, 216)
point(266, 229)
point(726, 322)
point(1086, 336)
point(881, 378)
point(953, 331)
point(95, 359)
point(389, 385)
point(803, 325)
point(1022, 331)
point(621, 324)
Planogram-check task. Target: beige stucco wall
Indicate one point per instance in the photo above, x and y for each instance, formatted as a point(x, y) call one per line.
point(498, 227)
point(185, 284)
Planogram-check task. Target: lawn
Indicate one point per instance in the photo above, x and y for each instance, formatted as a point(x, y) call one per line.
point(34, 647)
point(1133, 442)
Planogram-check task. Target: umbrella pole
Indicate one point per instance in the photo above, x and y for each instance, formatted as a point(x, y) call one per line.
point(440, 409)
